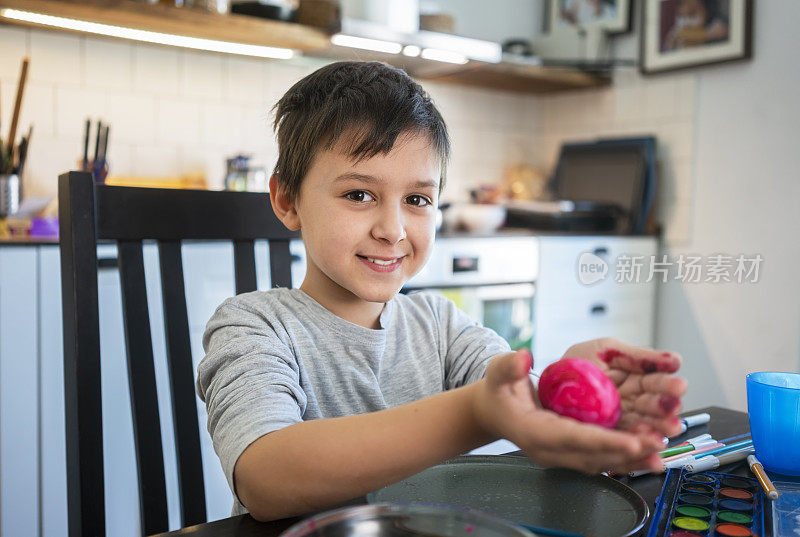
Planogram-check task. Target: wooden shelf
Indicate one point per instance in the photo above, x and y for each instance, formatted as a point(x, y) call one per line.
point(519, 77)
point(179, 21)
point(522, 78)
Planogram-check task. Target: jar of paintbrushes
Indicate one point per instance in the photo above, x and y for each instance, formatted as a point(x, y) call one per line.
point(13, 155)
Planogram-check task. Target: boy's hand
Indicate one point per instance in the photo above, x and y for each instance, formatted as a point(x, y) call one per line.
point(506, 406)
point(649, 393)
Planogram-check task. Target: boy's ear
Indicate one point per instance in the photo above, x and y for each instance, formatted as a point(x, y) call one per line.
point(283, 205)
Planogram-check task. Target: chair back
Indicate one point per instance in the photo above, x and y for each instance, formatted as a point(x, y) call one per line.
point(128, 216)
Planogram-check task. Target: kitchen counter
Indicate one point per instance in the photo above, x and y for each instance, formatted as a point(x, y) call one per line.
point(29, 241)
point(504, 232)
point(513, 232)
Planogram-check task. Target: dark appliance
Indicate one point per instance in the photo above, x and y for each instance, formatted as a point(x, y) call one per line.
point(602, 186)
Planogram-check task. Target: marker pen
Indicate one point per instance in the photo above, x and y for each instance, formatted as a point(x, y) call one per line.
point(713, 462)
point(693, 421)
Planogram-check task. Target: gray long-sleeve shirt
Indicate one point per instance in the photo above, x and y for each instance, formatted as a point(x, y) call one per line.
point(278, 357)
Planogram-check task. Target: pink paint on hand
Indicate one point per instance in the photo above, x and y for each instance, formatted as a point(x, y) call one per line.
point(668, 403)
point(609, 354)
point(578, 389)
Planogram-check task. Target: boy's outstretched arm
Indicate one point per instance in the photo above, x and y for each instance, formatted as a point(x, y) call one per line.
point(317, 464)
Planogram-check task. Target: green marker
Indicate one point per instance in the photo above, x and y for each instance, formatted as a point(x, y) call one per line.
point(686, 448)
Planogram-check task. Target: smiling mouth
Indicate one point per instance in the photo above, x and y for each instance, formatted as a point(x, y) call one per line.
point(382, 264)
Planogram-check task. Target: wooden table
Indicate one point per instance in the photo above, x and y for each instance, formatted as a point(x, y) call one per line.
point(724, 423)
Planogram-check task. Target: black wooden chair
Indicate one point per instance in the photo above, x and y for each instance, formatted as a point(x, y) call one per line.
point(94, 212)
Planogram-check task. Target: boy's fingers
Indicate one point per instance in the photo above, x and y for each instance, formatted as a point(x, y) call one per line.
point(509, 367)
point(555, 433)
point(664, 383)
point(657, 405)
point(597, 462)
point(639, 360)
point(633, 421)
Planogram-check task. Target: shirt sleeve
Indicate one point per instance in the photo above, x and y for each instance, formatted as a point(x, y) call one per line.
point(249, 380)
point(468, 347)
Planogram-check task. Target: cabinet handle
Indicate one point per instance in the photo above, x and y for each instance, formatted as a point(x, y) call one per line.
point(600, 250)
point(107, 262)
point(598, 309)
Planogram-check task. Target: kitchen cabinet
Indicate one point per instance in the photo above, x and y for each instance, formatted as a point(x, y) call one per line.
point(32, 463)
point(568, 311)
point(19, 388)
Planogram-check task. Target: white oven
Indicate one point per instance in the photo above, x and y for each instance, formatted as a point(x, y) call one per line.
point(491, 278)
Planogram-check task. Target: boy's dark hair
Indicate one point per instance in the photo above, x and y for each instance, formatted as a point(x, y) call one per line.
point(371, 103)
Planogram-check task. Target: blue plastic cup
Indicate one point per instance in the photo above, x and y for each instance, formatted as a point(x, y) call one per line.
point(773, 402)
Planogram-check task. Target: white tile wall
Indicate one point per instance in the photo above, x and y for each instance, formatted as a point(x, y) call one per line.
point(633, 105)
point(178, 111)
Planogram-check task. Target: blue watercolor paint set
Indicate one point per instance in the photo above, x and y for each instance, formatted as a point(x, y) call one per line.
point(710, 504)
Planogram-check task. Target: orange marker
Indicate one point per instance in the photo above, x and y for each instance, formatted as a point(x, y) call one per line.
point(762, 477)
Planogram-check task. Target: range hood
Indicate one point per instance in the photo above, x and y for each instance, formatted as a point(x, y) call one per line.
point(392, 27)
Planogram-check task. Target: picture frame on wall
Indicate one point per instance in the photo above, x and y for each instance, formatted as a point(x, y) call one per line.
point(680, 34)
point(611, 16)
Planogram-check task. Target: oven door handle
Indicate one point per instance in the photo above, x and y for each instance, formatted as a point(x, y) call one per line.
point(598, 309)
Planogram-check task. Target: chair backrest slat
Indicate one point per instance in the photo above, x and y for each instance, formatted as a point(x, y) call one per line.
point(174, 214)
point(181, 373)
point(81, 323)
point(244, 263)
point(90, 212)
point(142, 381)
point(280, 263)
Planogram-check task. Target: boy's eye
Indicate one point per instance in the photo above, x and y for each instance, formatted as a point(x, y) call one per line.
point(358, 196)
point(418, 201)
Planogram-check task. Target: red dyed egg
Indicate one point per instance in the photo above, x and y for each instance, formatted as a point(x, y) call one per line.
point(578, 389)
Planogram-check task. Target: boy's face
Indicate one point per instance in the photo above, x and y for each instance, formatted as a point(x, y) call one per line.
point(368, 226)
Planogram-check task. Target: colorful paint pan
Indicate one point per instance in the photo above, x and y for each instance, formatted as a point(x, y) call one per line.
point(701, 478)
point(736, 518)
point(690, 523)
point(732, 530)
point(735, 505)
point(737, 483)
point(693, 511)
point(699, 488)
point(737, 494)
point(698, 499)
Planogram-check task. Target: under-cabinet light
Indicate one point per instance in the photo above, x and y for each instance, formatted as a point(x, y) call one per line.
point(344, 40)
point(147, 36)
point(411, 50)
point(443, 56)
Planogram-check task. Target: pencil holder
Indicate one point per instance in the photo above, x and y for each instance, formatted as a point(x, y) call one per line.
point(9, 195)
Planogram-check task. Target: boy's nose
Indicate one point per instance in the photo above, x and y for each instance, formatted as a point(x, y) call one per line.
point(389, 226)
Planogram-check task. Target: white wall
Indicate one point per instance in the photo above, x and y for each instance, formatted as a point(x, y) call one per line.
point(745, 200)
point(175, 111)
point(729, 185)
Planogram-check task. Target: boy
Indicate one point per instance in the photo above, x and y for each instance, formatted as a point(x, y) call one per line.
point(321, 394)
